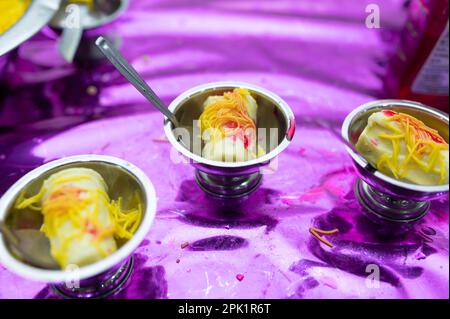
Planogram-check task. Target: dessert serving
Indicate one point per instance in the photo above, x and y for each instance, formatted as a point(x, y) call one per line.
point(228, 126)
point(403, 147)
point(401, 158)
point(236, 129)
point(81, 221)
point(84, 215)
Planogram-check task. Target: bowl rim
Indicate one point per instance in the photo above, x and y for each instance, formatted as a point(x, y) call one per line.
point(36, 16)
point(57, 24)
point(283, 106)
point(386, 103)
point(91, 270)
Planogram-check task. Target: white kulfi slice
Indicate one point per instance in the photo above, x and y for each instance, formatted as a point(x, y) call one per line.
point(235, 145)
point(404, 148)
point(77, 220)
point(231, 149)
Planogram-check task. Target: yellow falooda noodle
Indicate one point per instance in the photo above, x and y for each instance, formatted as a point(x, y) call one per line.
point(403, 147)
point(80, 220)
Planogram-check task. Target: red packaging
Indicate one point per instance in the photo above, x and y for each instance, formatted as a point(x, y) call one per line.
point(420, 68)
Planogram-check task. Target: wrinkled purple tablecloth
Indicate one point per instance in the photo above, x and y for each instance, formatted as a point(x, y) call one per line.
point(317, 55)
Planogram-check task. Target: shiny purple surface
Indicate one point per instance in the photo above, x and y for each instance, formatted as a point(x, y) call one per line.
point(317, 55)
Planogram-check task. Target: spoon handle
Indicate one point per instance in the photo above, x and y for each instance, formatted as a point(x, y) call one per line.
point(131, 75)
point(329, 127)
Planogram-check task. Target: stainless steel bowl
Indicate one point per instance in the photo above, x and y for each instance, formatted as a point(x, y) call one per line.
point(98, 279)
point(92, 19)
point(38, 14)
point(384, 198)
point(231, 179)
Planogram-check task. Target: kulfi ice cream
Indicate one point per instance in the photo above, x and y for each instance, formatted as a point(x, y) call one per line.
point(228, 126)
point(403, 147)
point(80, 220)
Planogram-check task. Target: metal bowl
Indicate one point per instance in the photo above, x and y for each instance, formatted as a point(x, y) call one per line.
point(384, 197)
point(92, 19)
point(107, 275)
point(37, 15)
point(230, 179)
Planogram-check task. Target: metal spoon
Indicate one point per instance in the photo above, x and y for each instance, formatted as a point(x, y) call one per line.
point(133, 77)
point(31, 245)
point(329, 127)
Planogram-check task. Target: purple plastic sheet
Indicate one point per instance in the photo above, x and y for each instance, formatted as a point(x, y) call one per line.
point(317, 55)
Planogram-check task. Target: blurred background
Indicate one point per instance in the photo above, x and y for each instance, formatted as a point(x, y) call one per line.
point(325, 54)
